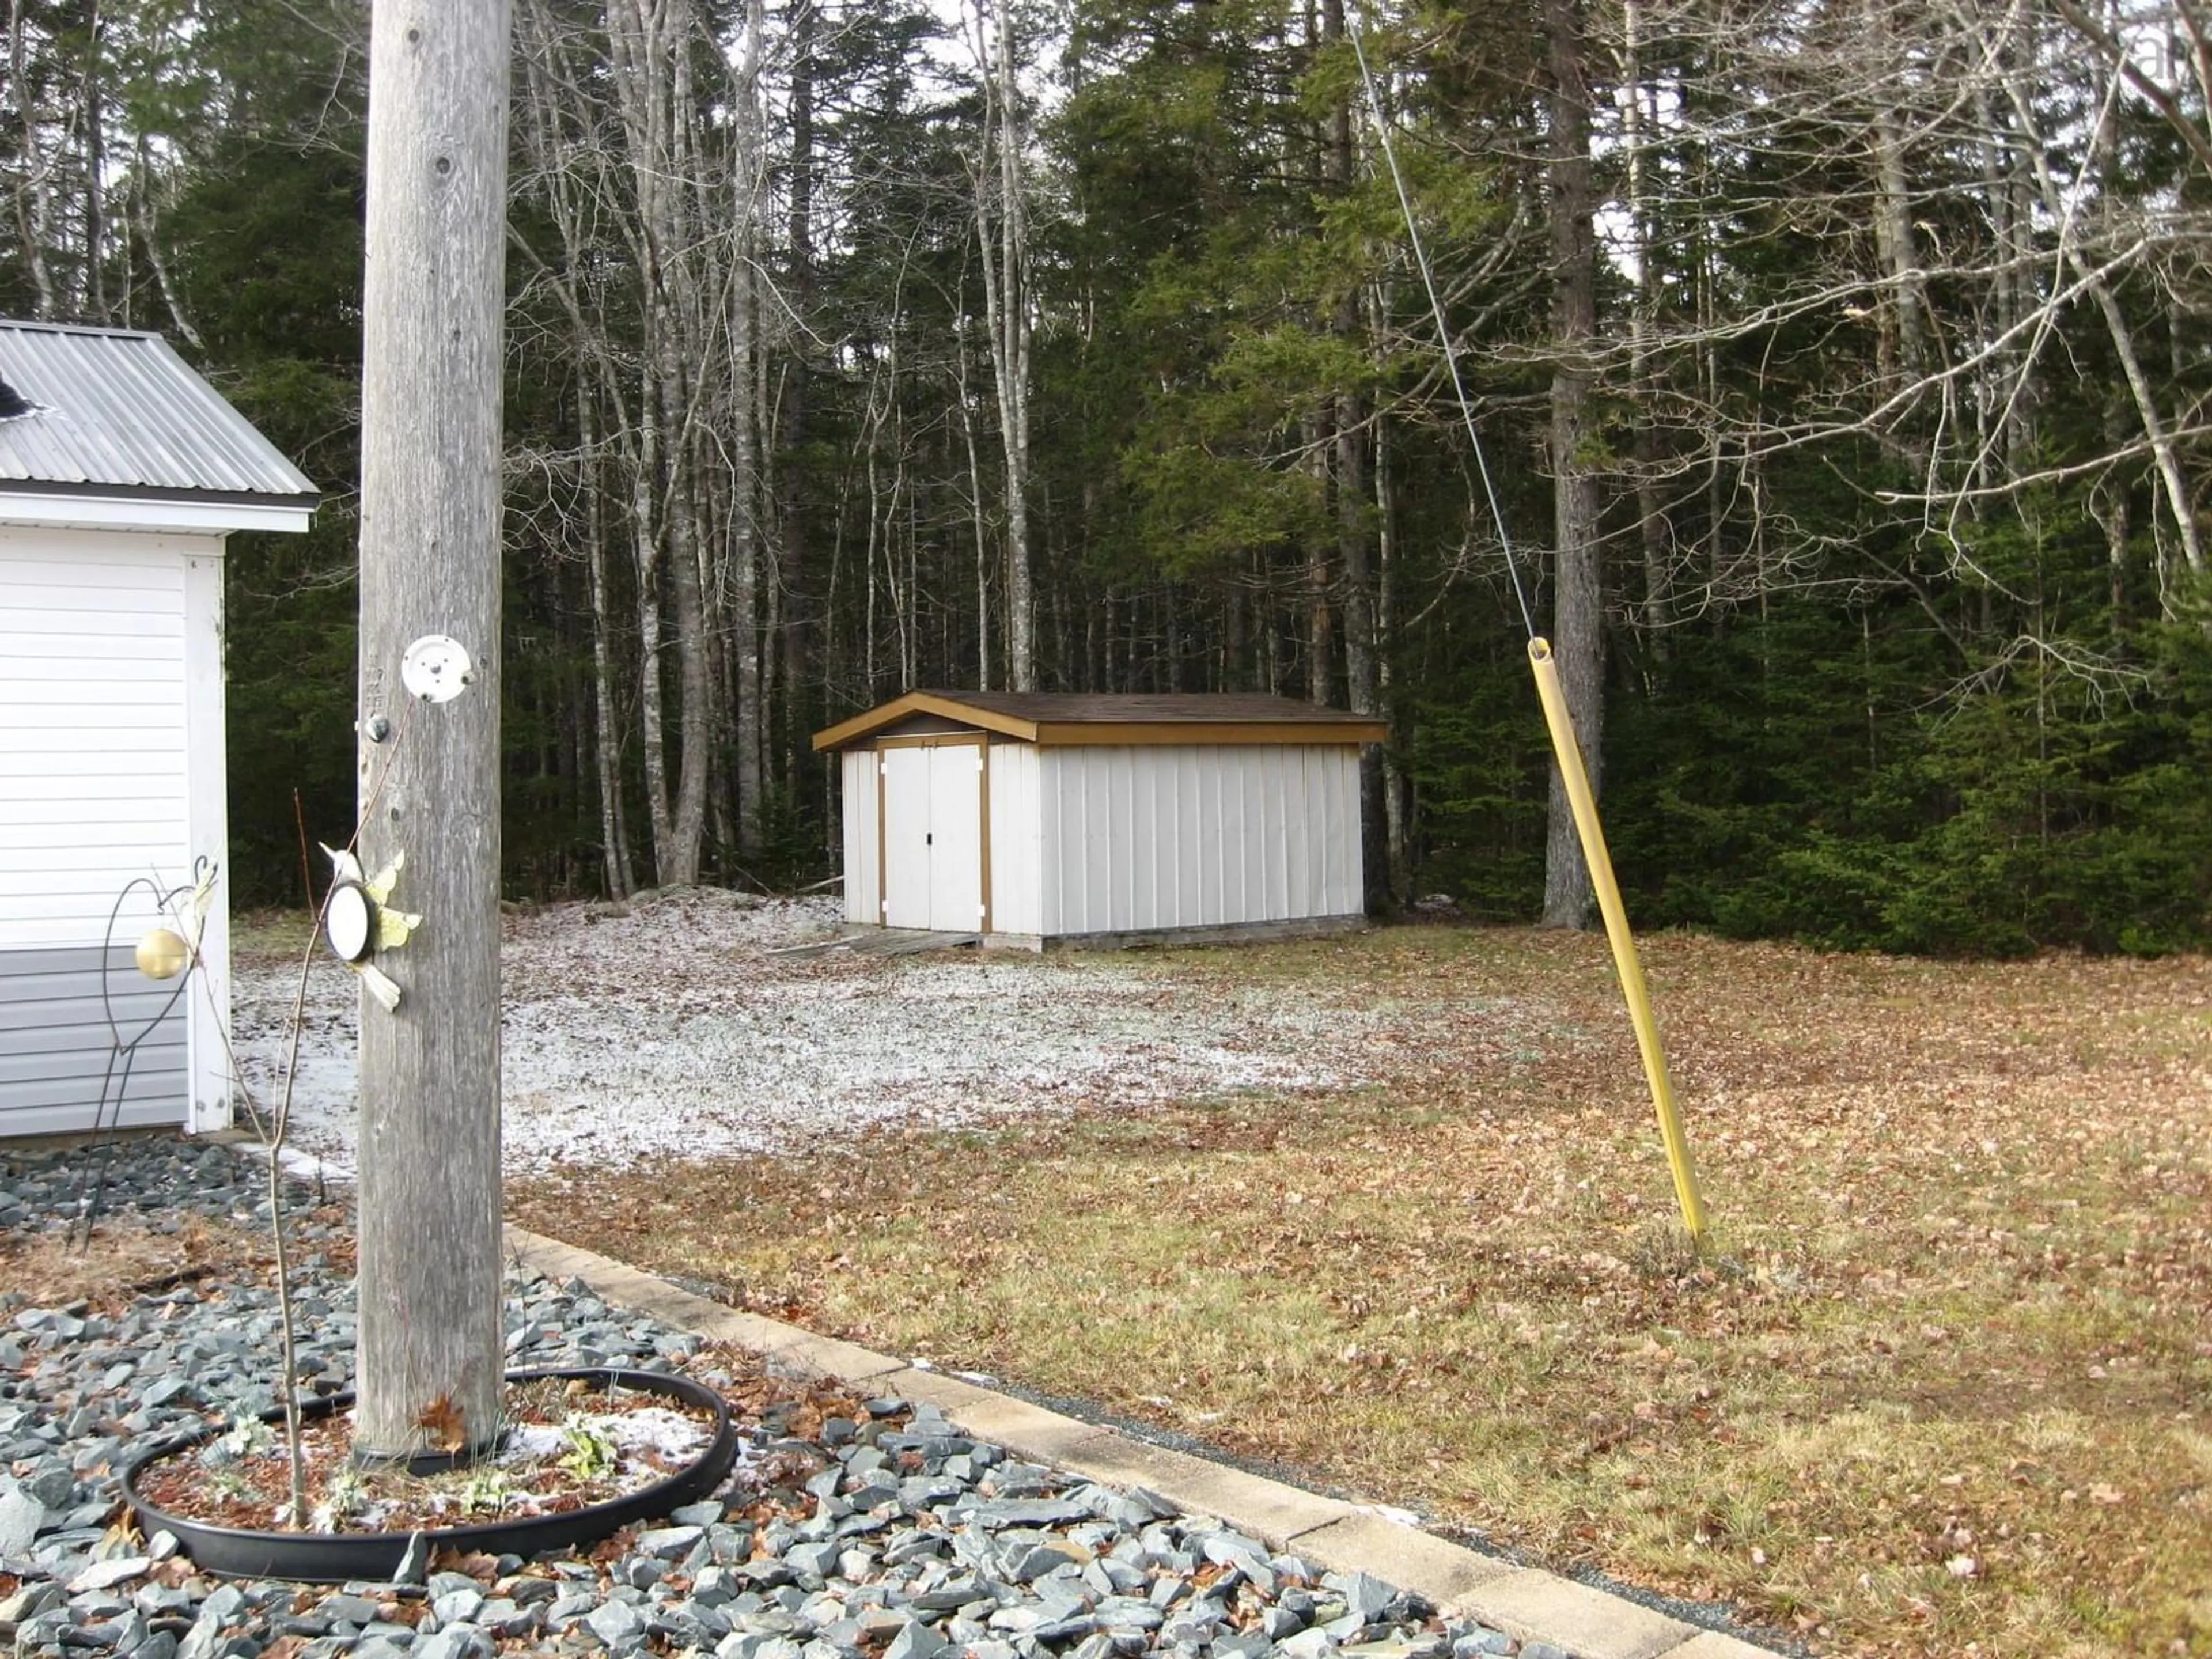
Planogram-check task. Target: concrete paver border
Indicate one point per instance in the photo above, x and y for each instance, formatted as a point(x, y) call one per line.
point(1523, 1602)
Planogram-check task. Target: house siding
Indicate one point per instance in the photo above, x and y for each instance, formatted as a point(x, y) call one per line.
point(1137, 838)
point(110, 771)
point(1017, 841)
point(864, 887)
point(62, 1068)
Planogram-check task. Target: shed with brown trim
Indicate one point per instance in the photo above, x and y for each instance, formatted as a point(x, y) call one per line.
point(1055, 818)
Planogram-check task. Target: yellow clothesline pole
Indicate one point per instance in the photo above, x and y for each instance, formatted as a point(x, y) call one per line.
point(1624, 958)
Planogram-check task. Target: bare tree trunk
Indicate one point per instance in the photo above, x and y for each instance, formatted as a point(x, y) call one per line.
point(1006, 306)
point(1579, 613)
point(652, 694)
point(982, 539)
point(649, 42)
point(1397, 817)
point(429, 1360)
point(1898, 348)
point(790, 494)
point(1650, 522)
point(746, 437)
point(149, 234)
point(1354, 526)
point(32, 191)
point(95, 165)
point(607, 741)
point(2165, 458)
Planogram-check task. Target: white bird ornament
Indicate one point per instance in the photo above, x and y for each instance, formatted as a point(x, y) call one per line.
point(358, 920)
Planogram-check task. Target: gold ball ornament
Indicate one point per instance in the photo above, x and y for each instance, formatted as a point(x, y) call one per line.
point(163, 954)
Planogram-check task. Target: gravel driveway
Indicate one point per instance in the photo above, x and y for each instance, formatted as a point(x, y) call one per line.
point(673, 1026)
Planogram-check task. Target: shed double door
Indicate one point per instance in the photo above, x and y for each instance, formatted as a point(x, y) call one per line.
point(932, 829)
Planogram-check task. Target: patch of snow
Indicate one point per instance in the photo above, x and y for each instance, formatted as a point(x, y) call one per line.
point(671, 1028)
point(649, 1429)
point(655, 1429)
point(1396, 1518)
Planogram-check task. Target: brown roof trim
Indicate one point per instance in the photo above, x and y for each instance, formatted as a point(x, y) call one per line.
point(1056, 719)
point(845, 733)
point(1060, 734)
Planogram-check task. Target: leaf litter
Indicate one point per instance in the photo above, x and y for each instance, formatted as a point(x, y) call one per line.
point(1391, 1208)
point(1942, 1386)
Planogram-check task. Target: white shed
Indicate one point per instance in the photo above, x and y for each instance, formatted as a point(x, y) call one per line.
point(1048, 818)
point(121, 473)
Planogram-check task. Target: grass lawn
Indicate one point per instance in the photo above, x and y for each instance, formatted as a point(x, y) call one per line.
point(1942, 1385)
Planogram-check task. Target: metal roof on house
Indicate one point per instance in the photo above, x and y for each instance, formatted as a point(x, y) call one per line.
point(117, 412)
point(1071, 718)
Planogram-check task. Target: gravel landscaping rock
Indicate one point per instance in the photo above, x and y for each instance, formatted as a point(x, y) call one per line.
point(890, 1533)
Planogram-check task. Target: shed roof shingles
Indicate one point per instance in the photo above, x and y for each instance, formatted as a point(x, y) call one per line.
point(1065, 716)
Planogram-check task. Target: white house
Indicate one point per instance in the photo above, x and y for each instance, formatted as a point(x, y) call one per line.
point(121, 473)
point(1048, 818)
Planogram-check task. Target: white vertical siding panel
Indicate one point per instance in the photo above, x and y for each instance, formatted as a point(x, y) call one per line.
point(1327, 843)
point(97, 724)
point(1078, 844)
point(1317, 786)
point(1111, 771)
point(206, 790)
point(1270, 811)
point(1252, 798)
point(1316, 798)
point(863, 883)
point(1052, 838)
point(1351, 893)
point(1236, 853)
point(112, 773)
point(1304, 833)
point(1176, 847)
point(1066, 849)
point(1123, 770)
point(848, 833)
point(1354, 888)
point(1075, 848)
point(1016, 840)
point(1097, 843)
point(1110, 776)
point(1178, 835)
point(1168, 849)
point(1206, 823)
point(1264, 815)
point(1152, 842)
point(1163, 845)
point(1036, 855)
point(1179, 884)
point(855, 779)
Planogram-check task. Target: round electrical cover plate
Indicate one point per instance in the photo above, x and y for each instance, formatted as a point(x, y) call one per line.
point(347, 918)
point(435, 669)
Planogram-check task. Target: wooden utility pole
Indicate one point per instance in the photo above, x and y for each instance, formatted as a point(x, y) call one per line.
point(429, 1357)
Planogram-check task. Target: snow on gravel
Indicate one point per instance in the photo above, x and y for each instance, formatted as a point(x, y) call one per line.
point(670, 1027)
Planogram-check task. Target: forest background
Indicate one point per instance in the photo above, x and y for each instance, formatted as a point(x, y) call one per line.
point(1840, 369)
